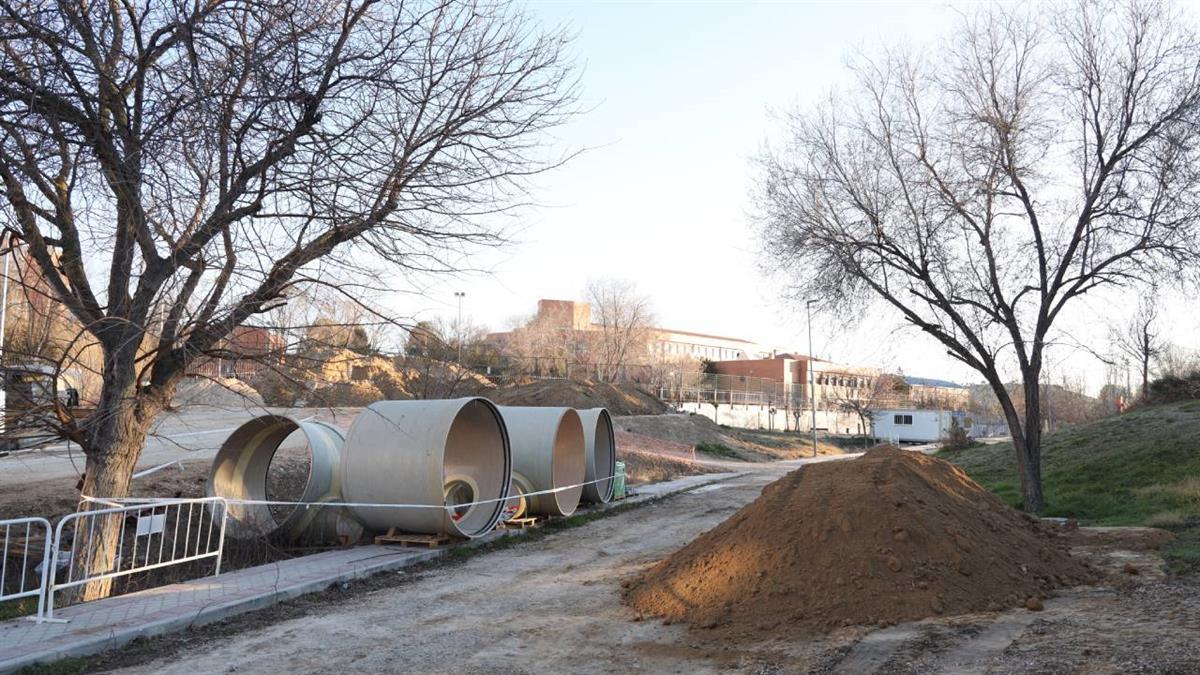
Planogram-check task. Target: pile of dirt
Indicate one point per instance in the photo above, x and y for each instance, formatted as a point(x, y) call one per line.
point(892, 536)
point(619, 399)
point(225, 393)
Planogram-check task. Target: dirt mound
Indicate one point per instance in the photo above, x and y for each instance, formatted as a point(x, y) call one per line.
point(619, 399)
point(227, 393)
point(892, 536)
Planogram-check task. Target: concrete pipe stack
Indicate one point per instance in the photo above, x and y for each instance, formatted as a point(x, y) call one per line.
point(453, 467)
point(548, 457)
point(429, 455)
point(240, 470)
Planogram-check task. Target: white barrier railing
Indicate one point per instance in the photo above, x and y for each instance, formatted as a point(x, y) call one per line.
point(17, 577)
point(164, 533)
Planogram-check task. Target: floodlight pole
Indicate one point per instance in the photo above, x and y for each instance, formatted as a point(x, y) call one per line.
point(812, 378)
point(459, 328)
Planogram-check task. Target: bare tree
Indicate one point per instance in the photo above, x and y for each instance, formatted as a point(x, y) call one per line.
point(198, 161)
point(1178, 361)
point(1138, 337)
point(622, 316)
point(1046, 151)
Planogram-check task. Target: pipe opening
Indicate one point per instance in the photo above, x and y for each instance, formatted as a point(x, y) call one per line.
point(476, 448)
point(568, 463)
point(605, 455)
point(289, 472)
point(459, 495)
point(602, 455)
point(275, 458)
point(516, 505)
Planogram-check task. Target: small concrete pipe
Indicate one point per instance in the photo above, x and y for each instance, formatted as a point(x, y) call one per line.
point(601, 455)
point(433, 453)
point(240, 471)
point(548, 454)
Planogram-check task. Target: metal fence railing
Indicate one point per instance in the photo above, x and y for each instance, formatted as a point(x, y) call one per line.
point(24, 569)
point(140, 538)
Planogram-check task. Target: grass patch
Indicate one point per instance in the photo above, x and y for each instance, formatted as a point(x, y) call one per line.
point(15, 608)
point(1139, 468)
point(1183, 554)
point(67, 666)
point(718, 449)
point(853, 443)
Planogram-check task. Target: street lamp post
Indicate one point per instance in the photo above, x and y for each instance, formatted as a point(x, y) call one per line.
point(8, 253)
point(812, 378)
point(460, 295)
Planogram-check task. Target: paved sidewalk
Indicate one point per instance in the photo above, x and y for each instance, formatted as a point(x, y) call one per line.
point(104, 624)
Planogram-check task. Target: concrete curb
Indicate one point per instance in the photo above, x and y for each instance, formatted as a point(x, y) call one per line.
point(61, 641)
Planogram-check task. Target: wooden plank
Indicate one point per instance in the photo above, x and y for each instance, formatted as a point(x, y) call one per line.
point(411, 539)
point(524, 523)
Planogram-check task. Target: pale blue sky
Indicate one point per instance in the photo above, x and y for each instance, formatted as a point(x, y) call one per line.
point(679, 96)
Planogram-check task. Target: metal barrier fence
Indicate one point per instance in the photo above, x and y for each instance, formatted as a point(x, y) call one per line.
point(195, 529)
point(20, 537)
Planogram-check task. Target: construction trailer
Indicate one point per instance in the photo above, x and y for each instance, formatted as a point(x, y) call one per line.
point(913, 426)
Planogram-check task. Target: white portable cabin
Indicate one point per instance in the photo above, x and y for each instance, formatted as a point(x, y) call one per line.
point(912, 426)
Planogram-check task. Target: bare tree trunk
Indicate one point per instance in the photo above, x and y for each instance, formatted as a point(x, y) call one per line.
point(1145, 372)
point(108, 475)
point(1026, 437)
point(116, 433)
point(1029, 449)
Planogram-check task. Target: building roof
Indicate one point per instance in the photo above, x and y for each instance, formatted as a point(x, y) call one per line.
point(701, 335)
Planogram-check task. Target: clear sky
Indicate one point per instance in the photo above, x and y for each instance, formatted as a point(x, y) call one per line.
point(679, 96)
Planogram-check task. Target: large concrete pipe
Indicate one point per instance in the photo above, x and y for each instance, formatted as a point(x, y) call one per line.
point(241, 470)
point(548, 454)
point(601, 455)
point(429, 453)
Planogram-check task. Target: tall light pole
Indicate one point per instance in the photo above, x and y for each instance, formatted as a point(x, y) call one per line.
point(8, 251)
point(812, 378)
point(460, 295)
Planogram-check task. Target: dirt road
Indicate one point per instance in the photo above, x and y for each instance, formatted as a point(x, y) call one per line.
point(546, 606)
point(553, 605)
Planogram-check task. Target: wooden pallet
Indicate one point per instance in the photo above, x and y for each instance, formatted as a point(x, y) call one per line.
point(523, 523)
point(410, 539)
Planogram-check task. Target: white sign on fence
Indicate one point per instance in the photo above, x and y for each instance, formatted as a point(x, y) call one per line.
point(155, 524)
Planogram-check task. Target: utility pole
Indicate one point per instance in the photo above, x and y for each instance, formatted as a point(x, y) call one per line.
point(458, 327)
point(8, 251)
point(812, 378)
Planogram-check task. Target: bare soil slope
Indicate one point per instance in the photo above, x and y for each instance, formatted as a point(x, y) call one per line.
point(748, 444)
point(891, 536)
point(619, 399)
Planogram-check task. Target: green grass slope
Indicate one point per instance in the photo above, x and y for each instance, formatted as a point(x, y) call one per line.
point(1139, 468)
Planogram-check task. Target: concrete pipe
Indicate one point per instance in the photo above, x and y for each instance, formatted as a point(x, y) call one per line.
point(514, 506)
point(601, 455)
point(440, 453)
point(242, 470)
point(548, 454)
